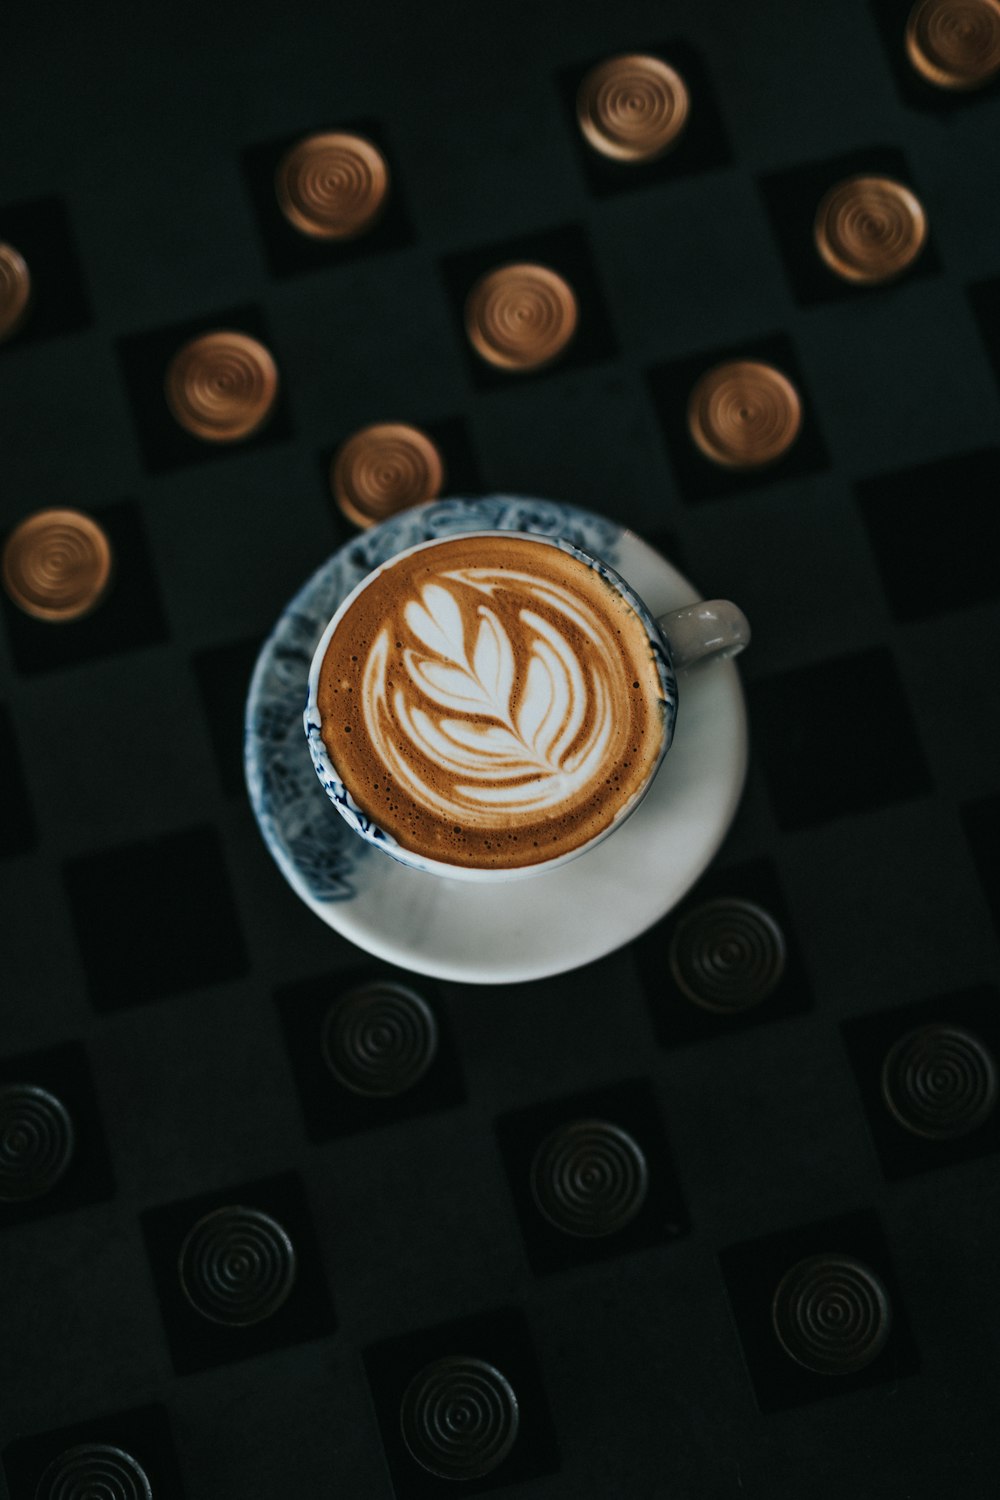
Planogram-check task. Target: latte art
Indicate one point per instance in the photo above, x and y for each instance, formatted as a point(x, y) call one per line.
point(493, 750)
point(491, 700)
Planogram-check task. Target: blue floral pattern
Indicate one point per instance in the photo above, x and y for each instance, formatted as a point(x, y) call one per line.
point(311, 844)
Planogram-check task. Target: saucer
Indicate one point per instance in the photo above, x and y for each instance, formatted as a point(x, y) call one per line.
point(518, 930)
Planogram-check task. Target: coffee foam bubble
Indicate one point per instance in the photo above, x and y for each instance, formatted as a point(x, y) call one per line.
point(491, 701)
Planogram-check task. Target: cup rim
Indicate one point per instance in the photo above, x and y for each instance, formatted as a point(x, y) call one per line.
point(368, 829)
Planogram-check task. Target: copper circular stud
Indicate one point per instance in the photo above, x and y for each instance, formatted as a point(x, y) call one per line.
point(632, 108)
point(57, 564)
point(521, 316)
point(940, 1082)
point(744, 414)
point(332, 186)
point(589, 1178)
point(385, 468)
point(237, 1266)
point(869, 230)
point(954, 44)
point(221, 386)
point(831, 1314)
point(727, 955)
point(15, 290)
point(459, 1417)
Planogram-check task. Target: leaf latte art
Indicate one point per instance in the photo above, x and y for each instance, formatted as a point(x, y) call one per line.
point(456, 703)
point(491, 701)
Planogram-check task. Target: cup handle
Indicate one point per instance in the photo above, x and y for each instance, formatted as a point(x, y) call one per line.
point(713, 628)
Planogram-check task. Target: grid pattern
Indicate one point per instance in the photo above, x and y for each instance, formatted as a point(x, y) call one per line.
point(164, 984)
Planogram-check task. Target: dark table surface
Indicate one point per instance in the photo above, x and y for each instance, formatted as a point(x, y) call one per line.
point(162, 980)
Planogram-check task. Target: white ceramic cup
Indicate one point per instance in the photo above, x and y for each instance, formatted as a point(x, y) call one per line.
point(712, 630)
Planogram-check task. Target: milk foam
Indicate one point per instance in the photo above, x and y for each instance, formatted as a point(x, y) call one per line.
point(491, 756)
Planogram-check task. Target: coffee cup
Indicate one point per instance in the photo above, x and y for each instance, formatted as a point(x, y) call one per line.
point(490, 705)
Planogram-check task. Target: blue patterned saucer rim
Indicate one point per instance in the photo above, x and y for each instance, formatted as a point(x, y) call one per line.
point(320, 856)
point(366, 827)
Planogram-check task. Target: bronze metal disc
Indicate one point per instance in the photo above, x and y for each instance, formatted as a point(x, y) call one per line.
point(332, 186)
point(520, 316)
point(385, 468)
point(954, 44)
point(744, 414)
point(459, 1418)
point(15, 290)
point(832, 1314)
point(221, 386)
point(940, 1082)
point(727, 955)
point(632, 108)
point(57, 564)
point(869, 230)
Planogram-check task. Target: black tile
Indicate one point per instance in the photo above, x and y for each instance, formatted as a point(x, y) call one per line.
point(836, 737)
point(985, 299)
point(41, 231)
point(289, 252)
point(144, 358)
point(670, 386)
point(63, 1072)
point(155, 918)
point(331, 1109)
point(668, 543)
point(198, 1343)
point(223, 677)
point(18, 830)
point(143, 1433)
point(868, 1040)
point(981, 821)
point(890, 20)
point(565, 250)
point(935, 532)
point(753, 1271)
point(661, 1217)
point(677, 1018)
point(501, 1339)
point(791, 199)
point(703, 146)
point(129, 617)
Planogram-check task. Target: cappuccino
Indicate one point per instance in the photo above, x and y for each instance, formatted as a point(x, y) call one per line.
point(491, 701)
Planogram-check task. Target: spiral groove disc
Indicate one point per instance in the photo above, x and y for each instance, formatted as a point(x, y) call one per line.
point(954, 44)
point(15, 290)
point(57, 564)
point(237, 1266)
point(94, 1471)
point(744, 414)
point(831, 1314)
point(939, 1082)
point(379, 1040)
point(727, 955)
point(521, 316)
point(332, 186)
point(632, 108)
point(868, 230)
point(385, 468)
point(36, 1141)
point(221, 386)
point(459, 1418)
point(589, 1178)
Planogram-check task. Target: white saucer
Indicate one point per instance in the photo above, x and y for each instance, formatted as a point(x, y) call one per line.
point(525, 929)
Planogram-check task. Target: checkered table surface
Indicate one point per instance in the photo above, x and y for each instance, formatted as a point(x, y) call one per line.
point(162, 981)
